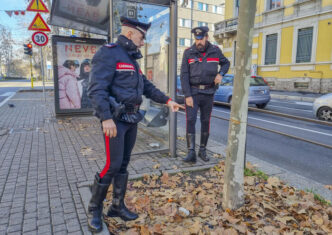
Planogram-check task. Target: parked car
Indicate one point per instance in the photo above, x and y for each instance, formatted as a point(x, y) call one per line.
point(322, 107)
point(259, 91)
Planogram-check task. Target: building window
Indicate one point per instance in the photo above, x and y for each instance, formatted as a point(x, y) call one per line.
point(181, 41)
point(273, 4)
point(199, 23)
point(186, 3)
point(271, 48)
point(216, 9)
point(203, 6)
point(187, 42)
point(185, 23)
point(304, 45)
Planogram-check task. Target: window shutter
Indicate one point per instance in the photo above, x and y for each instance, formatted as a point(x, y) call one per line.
point(304, 45)
point(271, 48)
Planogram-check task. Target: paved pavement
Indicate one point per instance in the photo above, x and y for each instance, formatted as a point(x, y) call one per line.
point(298, 96)
point(46, 164)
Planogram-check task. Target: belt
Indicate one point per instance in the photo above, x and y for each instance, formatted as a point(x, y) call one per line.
point(131, 108)
point(202, 87)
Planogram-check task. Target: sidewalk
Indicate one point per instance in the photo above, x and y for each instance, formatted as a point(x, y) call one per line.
point(297, 96)
point(47, 163)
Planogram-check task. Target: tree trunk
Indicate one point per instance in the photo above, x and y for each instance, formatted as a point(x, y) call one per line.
point(233, 196)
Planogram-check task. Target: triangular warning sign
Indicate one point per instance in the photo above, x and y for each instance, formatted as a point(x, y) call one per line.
point(38, 6)
point(39, 24)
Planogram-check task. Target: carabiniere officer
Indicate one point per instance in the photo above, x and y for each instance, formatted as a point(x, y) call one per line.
point(202, 68)
point(115, 88)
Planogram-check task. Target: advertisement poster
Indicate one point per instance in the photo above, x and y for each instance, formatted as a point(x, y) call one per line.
point(72, 65)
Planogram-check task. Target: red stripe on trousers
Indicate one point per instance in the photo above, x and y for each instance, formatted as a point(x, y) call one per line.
point(185, 105)
point(108, 157)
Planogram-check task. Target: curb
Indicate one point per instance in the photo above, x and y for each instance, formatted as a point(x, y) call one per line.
point(34, 90)
point(297, 98)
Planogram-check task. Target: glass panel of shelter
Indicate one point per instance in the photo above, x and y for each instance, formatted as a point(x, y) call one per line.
point(153, 131)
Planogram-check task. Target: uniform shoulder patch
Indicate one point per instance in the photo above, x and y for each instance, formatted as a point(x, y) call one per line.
point(110, 45)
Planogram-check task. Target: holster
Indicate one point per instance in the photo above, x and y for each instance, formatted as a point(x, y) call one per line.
point(117, 109)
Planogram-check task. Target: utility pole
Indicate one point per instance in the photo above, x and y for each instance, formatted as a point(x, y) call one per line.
point(42, 70)
point(172, 60)
point(31, 71)
point(233, 193)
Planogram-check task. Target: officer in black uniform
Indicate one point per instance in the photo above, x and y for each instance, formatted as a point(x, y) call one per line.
point(200, 78)
point(115, 88)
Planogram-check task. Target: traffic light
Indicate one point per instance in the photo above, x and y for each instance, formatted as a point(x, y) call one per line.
point(28, 49)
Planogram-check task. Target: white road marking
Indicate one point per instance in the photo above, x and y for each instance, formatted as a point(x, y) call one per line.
point(310, 111)
point(280, 124)
point(292, 102)
point(11, 94)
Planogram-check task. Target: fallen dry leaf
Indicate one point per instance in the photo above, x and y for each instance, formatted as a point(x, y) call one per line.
point(329, 187)
point(157, 166)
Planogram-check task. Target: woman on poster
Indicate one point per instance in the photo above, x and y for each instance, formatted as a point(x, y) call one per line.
point(69, 95)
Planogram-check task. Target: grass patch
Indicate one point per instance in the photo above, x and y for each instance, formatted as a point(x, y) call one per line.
point(258, 173)
point(318, 197)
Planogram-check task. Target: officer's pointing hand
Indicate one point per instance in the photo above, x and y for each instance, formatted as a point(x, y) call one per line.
point(175, 106)
point(109, 128)
point(218, 79)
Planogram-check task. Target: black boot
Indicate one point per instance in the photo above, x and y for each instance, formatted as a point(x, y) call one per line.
point(95, 208)
point(118, 207)
point(191, 157)
point(202, 147)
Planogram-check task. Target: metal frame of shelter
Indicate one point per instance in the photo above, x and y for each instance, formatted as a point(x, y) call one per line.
point(58, 18)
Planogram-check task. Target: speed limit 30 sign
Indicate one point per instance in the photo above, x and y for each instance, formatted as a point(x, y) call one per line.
point(39, 38)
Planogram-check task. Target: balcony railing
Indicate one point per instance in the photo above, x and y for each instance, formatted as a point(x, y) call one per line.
point(226, 26)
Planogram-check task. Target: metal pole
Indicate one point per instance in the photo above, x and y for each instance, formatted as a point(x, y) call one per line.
point(233, 195)
point(192, 21)
point(172, 75)
point(31, 71)
point(110, 36)
point(42, 71)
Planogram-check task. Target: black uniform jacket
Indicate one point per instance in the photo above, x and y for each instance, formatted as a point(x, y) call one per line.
point(116, 73)
point(198, 69)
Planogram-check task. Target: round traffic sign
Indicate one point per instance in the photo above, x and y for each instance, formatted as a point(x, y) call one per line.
point(39, 38)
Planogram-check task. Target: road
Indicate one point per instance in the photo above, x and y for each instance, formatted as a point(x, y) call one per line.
point(308, 160)
point(9, 88)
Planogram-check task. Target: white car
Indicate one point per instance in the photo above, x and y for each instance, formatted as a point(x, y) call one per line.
point(322, 107)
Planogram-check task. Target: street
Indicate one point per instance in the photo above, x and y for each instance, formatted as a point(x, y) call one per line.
point(308, 160)
point(9, 88)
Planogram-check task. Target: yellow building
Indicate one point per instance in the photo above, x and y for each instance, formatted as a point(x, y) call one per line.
point(292, 43)
point(194, 13)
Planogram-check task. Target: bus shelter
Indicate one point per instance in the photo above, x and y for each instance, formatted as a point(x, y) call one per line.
point(102, 17)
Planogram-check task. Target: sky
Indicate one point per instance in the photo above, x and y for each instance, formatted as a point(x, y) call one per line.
point(18, 25)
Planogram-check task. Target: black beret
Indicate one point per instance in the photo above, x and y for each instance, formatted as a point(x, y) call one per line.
point(133, 23)
point(200, 32)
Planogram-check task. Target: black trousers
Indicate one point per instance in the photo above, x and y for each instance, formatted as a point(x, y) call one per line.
point(118, 151)
point(204, 103)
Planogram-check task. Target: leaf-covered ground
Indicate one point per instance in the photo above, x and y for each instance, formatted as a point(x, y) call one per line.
point(191, 203)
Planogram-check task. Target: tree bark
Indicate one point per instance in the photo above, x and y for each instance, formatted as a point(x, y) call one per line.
point(233, 193)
